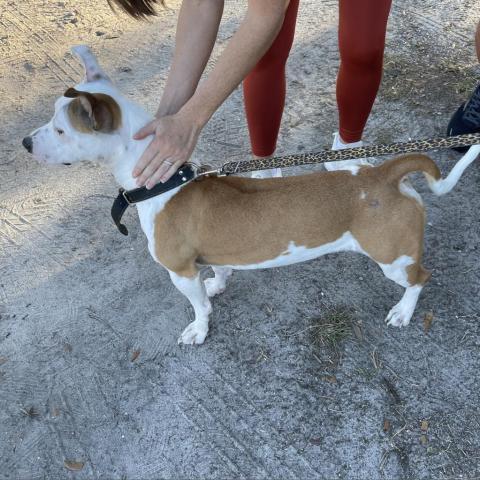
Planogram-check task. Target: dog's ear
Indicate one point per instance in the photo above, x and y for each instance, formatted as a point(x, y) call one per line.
point(93, 71)
point(93, 111)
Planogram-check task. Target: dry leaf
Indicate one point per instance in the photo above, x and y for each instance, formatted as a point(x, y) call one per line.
point(386, 425)
point(135, 355)
point(55, 412)
point(3, 360)
point(357, 330)
point(423, 439)
point(424, 425)
point(427, 321)
point(73, 466)
point(330, 378)
point(316, 441)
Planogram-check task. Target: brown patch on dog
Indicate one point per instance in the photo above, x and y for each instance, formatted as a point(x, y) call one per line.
point(95, 112)
point(240, 221)
point(396, 169)
point(418, 275)
point(79, 117)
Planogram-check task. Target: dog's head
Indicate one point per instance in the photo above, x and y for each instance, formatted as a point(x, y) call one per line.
point(87, 121)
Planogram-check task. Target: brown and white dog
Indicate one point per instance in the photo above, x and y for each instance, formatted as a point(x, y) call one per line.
point(241, 223)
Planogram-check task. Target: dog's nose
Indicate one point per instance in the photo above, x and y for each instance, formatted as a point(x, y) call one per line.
point(27, 142)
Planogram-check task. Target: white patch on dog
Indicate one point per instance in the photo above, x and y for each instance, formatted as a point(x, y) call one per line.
point(407, 189)
point(397, 271)
point(296, 254)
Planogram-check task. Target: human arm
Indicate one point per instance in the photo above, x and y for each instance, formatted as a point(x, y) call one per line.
point(197, 29)
point(176, 134)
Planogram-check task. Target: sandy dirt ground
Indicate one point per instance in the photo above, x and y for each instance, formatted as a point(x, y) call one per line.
point(91, 376)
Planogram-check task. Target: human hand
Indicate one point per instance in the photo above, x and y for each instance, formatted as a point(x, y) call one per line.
point(175, 139)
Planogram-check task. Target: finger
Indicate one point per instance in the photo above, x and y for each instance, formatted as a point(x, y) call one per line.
point(162, 172)
point(149, 170)
point(159, 164)
point(148, 129)
point(171, 171)
point(158, 174)
point(147, 156)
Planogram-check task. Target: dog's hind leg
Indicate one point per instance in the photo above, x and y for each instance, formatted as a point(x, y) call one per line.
point(413, 277)
point(194, 289)
point(218, 283)
point(402, 312)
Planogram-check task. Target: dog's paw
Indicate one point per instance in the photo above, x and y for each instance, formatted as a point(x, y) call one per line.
point(398, 316)
point(214, 287)
point(194, 334)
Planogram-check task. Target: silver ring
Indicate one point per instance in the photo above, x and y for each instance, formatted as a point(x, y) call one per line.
point(168, 163)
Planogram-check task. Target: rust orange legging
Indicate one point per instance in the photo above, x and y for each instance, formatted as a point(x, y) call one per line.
point(362, 28)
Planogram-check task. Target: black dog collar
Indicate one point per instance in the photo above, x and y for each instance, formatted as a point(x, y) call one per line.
point(125, 198)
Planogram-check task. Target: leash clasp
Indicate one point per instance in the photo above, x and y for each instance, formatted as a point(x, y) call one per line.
point(207, 171)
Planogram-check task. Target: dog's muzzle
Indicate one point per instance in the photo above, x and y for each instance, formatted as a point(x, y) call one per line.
point(27, 142)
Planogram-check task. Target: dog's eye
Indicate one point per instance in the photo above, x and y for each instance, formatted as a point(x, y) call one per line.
point(59, 131)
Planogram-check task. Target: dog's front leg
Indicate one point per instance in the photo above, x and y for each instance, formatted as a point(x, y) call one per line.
point(194, 289)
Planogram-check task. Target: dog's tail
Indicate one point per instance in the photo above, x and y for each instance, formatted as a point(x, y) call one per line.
point(398, 168)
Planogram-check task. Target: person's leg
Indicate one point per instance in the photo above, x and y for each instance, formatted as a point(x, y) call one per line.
point(265, 87)
point(362, 29)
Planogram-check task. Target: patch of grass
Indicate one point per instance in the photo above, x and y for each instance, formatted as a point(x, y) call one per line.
point(333, 326)
point(366, 373)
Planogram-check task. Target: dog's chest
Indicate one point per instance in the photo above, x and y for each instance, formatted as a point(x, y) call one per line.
point(147, 213)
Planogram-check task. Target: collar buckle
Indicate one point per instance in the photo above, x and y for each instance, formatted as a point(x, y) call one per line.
point(124, 194)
